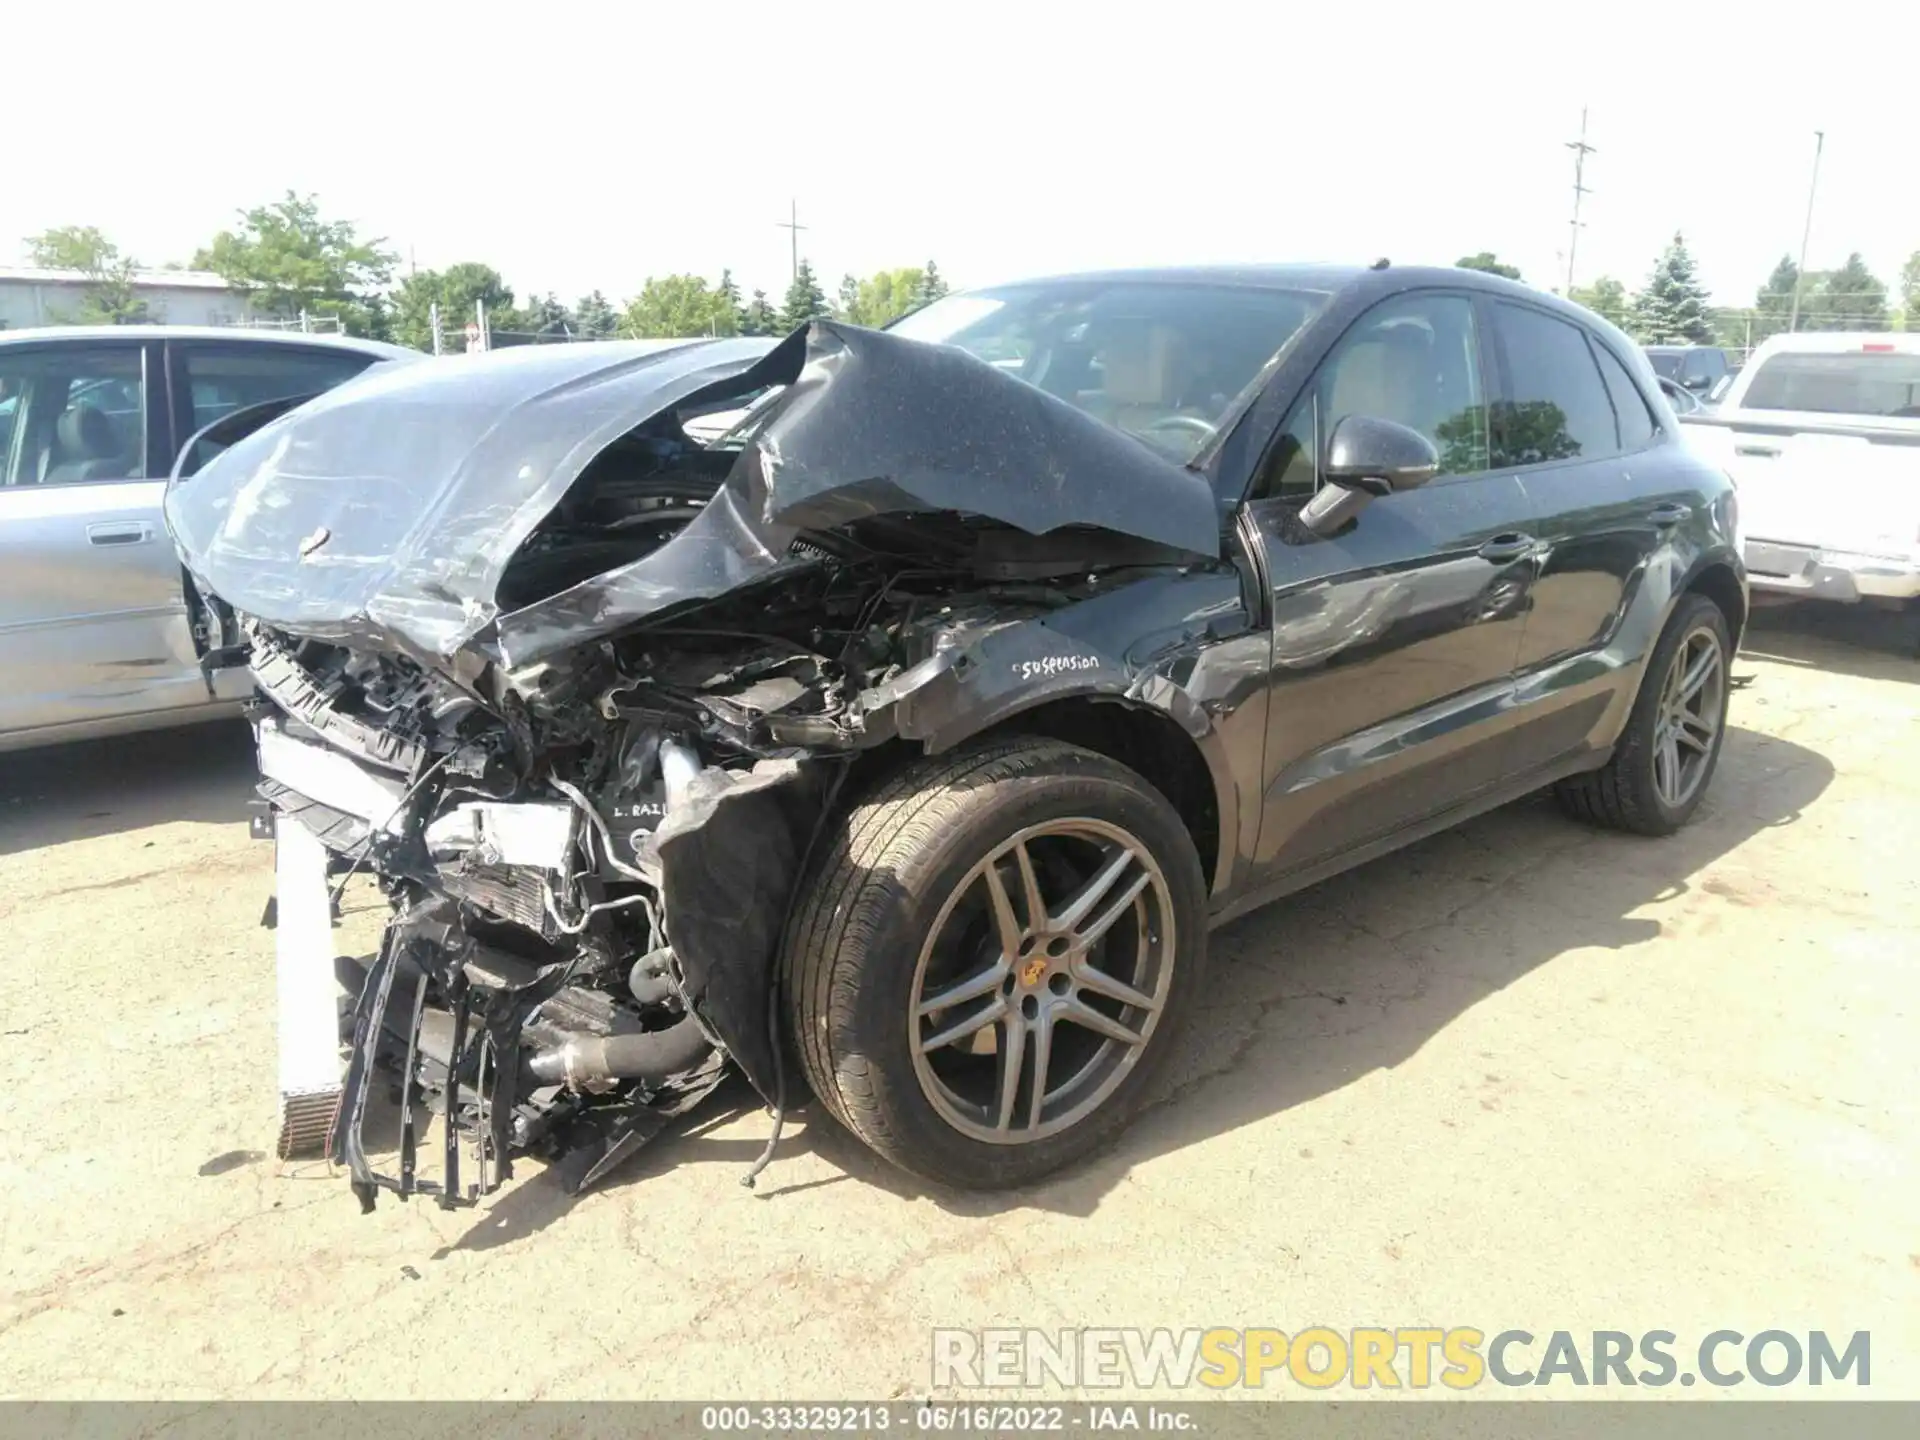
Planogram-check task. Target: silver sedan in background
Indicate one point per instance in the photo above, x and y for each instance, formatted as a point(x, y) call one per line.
point(100, 634)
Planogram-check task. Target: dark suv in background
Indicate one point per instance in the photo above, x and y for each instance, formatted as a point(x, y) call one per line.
point(1698, 368)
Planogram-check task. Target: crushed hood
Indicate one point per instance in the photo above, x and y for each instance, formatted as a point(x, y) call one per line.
point(386, 511)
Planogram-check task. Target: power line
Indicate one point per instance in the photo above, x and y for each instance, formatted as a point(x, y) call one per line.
point(1580, 150)
point(792, 224)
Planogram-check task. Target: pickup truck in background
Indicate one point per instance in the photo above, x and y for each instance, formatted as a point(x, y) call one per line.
point(100, 632)
point(1821, 434)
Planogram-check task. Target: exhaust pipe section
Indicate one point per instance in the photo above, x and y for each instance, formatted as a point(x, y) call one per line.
point(584, 1061)
point(598, 1062)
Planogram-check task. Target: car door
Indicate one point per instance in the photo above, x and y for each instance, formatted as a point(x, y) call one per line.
point(1394, 643)
point(1572, 424)
point(93, 616)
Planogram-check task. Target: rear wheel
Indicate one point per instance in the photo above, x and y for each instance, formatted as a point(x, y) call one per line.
point(991, 968)
point(1667, 753)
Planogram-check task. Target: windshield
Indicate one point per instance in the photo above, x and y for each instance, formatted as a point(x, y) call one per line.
point(1881, 383)
point(1164, 363)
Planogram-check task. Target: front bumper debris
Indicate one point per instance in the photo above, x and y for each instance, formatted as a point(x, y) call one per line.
point(459, 1051)
point(1821, 574)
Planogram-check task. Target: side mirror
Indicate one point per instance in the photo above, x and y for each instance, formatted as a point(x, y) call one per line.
point(1366, 458)
point(1698, 382)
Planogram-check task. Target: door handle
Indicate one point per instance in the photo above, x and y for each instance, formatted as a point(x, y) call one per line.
point(1669, 514)
point(1758, 452)
point(1504, 548)
point(120, 532)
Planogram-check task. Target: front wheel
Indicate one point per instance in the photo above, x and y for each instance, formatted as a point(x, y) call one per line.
point(1667, 753)
point(993, 964)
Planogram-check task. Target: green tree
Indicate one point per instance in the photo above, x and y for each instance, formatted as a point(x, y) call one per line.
point(804, 300)
point(594, 316)
point(931, 286)
point(1606, 297)
point(544, 316)
point(457, 290)
point(881, 298)
point(1673, 307)
point(847, 305)
point(1486, 260)
point(109, 297)
point(1772, 304)
point(1910, 291)
point(678, 305)
point(729, 291)
point(287, 260)
point(1850, 298)
point(759, 317)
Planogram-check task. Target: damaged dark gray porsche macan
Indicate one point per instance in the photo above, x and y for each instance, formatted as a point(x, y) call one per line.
point(912, 734)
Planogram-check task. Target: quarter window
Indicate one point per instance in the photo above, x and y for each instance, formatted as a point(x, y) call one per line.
point(1629, 405)
point(1555, 405)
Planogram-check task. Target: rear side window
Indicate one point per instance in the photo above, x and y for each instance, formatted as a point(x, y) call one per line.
point(223, 379)
point(1555, 404)
point(1629, 406)
point(1881, 383)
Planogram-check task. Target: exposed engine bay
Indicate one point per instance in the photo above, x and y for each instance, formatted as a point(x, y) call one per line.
point(585, 737)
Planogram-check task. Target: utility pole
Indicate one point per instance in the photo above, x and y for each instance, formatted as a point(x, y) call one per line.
point(792, 224)
point(1580, 150)
point(1800, 275)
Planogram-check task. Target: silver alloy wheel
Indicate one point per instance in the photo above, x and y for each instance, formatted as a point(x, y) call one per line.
point(1028, 1011)
point(1687, 722)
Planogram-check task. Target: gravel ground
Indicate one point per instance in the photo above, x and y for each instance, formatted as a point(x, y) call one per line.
point(1521, 1075)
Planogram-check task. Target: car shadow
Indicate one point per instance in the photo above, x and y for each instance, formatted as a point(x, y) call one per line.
point(1356, 973)
point(1856, 640)
point(202, 772)
point(541, 1199)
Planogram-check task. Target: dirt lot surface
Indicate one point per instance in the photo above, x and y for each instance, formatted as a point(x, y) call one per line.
point(1522, 1075)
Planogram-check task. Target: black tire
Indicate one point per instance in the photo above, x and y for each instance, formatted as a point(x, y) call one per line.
point(1622, 794)
point(851, 953)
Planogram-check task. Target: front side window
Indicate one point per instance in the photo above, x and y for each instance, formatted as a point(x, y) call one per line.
point(72, 416)
point(223, 379)
point(1555, 405)
point(1163, 362)
point(1414, 360)
point(1884, 383)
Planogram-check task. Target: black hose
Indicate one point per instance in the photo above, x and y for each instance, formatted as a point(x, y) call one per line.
point(580, 1059)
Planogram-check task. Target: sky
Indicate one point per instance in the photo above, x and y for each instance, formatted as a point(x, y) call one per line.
point(576, 147)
